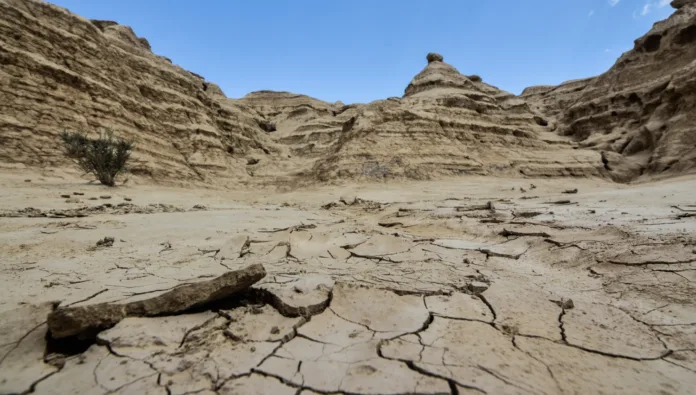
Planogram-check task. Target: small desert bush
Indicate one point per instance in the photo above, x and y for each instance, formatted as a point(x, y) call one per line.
point(105, 156)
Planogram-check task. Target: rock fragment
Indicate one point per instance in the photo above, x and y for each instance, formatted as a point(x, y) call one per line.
point(304, 297)
point(564, 303)
point(105, 242)
point(85, 319)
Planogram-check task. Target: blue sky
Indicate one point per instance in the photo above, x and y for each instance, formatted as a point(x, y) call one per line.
point(364, 50)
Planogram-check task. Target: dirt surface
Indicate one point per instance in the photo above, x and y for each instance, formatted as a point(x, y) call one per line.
point(481, 285)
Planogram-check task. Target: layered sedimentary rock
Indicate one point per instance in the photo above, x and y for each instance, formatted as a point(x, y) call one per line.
point(448, 124)
point(308, 126)
point(59, 71)
point(551, 100)
point(63, 72)
point(640, 113)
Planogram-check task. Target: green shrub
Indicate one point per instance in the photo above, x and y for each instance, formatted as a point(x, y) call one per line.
point(105, 156)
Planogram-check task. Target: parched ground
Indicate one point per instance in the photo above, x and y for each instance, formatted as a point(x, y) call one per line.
point(474, 285)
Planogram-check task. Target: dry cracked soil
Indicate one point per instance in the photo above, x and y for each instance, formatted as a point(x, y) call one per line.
point(442, 287)
point(457, 239)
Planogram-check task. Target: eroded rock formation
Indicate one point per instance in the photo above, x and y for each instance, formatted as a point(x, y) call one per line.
point(60, 72)
point(641, 111)
point(447, 124)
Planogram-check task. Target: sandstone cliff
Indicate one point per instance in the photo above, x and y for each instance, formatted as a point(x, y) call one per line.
point(447, 124)
point(60, 71)
point(641, 114)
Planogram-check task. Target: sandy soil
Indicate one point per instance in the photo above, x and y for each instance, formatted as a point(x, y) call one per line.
point(485, 285)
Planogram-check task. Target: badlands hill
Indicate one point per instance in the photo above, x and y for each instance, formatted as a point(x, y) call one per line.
point(61, 71)
point(641, 113)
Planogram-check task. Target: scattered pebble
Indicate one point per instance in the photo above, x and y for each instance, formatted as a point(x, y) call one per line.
point(106, 242)
point(571, 191)
point(78, 193)
point(127, 199)
point(477, 287)
point(92, 198)
point(72, 200)
point(105, 197)
point(27, 180)
point(65, 196)
point(564, 303)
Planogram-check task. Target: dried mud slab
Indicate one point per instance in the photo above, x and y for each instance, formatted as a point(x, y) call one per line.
point(22, 347)
point(75, 320)
point(474, 355)
point(306, 296)
point(609, 330)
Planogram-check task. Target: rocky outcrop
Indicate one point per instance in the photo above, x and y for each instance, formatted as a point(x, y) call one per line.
point(640, 112)
point(59, 71)
point(307, 126)
point(551, 100)
point(447, 124)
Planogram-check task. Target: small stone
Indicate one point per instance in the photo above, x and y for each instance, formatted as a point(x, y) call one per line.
point(571, 191)
point(477, 287)
point(275, 330)
point(252, 161)
point(256, 310)
point(106, 242)
point(564, 303)
point(65, 196)
point(105, 197)
point(27, 180)
point(92, 198)
point(199, 207)
point(72, 200)
point(127, 199)
point(78, 193)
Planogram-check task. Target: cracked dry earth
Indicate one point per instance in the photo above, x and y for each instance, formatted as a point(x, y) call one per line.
point(448, 287)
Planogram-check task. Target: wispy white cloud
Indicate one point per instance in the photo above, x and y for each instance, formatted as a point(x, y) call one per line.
point(646, 9)
point(591, 13)
point(613, 2)
point(649, 7)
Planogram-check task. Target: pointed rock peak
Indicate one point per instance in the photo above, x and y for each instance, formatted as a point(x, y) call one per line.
point(438, 78)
